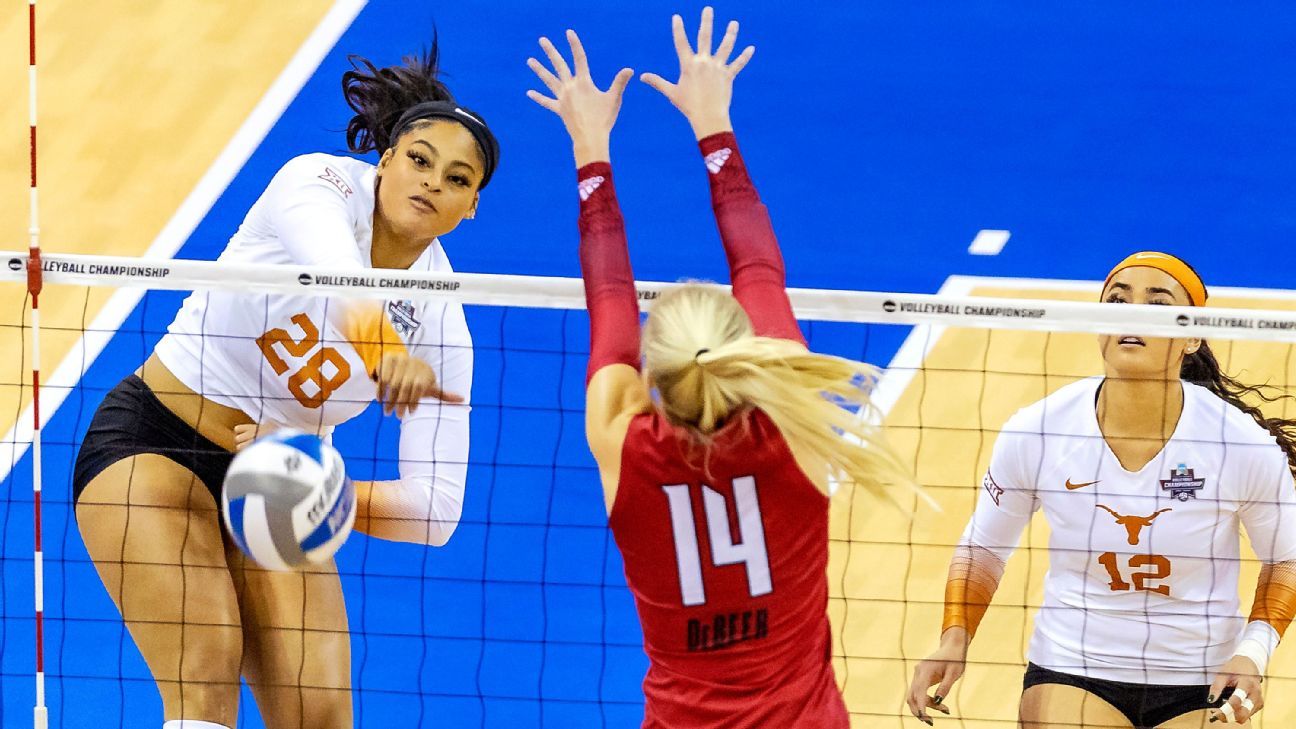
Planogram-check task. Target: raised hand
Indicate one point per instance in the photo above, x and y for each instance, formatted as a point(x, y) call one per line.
point(587, 113)
point(705, 86)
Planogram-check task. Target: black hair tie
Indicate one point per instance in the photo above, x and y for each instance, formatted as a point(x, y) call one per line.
point(701, 352)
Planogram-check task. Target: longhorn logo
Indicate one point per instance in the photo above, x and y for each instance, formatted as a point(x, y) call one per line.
point(1134, 524)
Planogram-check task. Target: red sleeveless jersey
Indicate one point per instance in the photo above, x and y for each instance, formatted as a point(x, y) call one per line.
point(726, 552)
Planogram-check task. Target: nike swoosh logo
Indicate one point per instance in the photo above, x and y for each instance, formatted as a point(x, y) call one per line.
point(1073, 486)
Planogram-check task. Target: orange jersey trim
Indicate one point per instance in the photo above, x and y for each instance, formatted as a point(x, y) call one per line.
point(974, 576)
point(366, 326)
point(1275, 598)
point(1177, 269)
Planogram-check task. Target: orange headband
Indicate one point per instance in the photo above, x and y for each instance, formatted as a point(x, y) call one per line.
point(1175, 268)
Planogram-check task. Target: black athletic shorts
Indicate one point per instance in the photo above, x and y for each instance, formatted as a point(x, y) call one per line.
point(1145, 705)
point(130, 421)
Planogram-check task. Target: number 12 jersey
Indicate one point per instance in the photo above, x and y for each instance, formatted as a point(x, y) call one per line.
point(1142, 584)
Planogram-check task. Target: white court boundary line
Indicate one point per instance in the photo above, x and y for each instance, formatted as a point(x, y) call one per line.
point(191, 212)
point(920, 341)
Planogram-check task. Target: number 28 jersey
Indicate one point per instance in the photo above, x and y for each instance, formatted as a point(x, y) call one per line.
point(1142, 584)
point(281, 358)
point(726, 553)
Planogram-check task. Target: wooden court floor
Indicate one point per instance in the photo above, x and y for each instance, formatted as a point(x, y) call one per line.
point(136, 100)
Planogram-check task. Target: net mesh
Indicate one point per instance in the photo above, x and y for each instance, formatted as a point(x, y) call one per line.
point(523, 618)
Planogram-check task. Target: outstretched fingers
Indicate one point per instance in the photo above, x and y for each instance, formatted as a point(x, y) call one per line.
point(727, 42)
point(578, 54)
point(561, 69)
point(546, 77)
point(682, 48)
point(542, 100)
point(550, 81)
point(666, 88)
point(704, 32)
point(741, 61)
point(619, 83)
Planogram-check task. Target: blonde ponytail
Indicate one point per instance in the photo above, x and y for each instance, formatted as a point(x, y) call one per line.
point(705, 362)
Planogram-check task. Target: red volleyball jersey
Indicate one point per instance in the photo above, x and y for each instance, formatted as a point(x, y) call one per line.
point(726, 552)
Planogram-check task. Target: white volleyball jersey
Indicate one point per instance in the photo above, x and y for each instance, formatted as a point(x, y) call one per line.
point(1142, 584)
point(281, 359)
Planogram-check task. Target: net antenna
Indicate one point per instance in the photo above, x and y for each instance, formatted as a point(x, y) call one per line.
point(40, 714)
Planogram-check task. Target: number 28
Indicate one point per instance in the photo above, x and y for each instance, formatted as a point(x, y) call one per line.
point(1160, 569)
point(312, 370)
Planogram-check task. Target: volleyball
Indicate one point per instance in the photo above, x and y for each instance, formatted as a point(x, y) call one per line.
point(287, 501)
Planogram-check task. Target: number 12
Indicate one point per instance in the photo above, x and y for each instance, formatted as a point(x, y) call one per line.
point(1160, 570)
point(749, 550)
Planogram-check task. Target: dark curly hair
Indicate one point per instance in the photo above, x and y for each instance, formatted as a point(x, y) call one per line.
point(379, 96)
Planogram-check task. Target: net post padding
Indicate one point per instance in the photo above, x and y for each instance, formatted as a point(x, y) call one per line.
point(863, 307)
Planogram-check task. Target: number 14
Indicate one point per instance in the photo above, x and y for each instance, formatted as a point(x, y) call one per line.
point(749, 550)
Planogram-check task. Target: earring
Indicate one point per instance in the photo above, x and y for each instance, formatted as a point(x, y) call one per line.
point(471, 214)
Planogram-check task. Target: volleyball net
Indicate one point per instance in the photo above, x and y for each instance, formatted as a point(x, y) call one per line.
point(523, 618)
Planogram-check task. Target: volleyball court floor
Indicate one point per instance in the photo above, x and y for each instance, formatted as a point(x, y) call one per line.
point(882, 136)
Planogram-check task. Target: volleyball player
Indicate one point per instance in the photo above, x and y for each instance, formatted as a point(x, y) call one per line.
point(149, 472)
point(716, 488)
point(1143, 475)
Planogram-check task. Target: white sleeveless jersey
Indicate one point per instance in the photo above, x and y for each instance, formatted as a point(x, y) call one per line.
point(1142, 584)
point(281, 359)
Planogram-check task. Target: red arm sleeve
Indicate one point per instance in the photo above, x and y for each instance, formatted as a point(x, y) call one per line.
point(605, 266)
point(755, 264)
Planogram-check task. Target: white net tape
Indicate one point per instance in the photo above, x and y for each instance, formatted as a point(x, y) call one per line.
point(566, 293)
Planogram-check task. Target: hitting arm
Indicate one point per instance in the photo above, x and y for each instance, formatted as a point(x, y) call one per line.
point(424, 505)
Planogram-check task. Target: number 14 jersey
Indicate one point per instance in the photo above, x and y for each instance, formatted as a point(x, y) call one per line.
point(1142, 584)
point(726, 552)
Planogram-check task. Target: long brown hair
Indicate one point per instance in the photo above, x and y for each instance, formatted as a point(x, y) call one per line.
point(1202, 368)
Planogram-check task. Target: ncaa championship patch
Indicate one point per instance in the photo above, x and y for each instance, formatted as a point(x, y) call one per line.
point(402, 317)
point(1183, 483)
